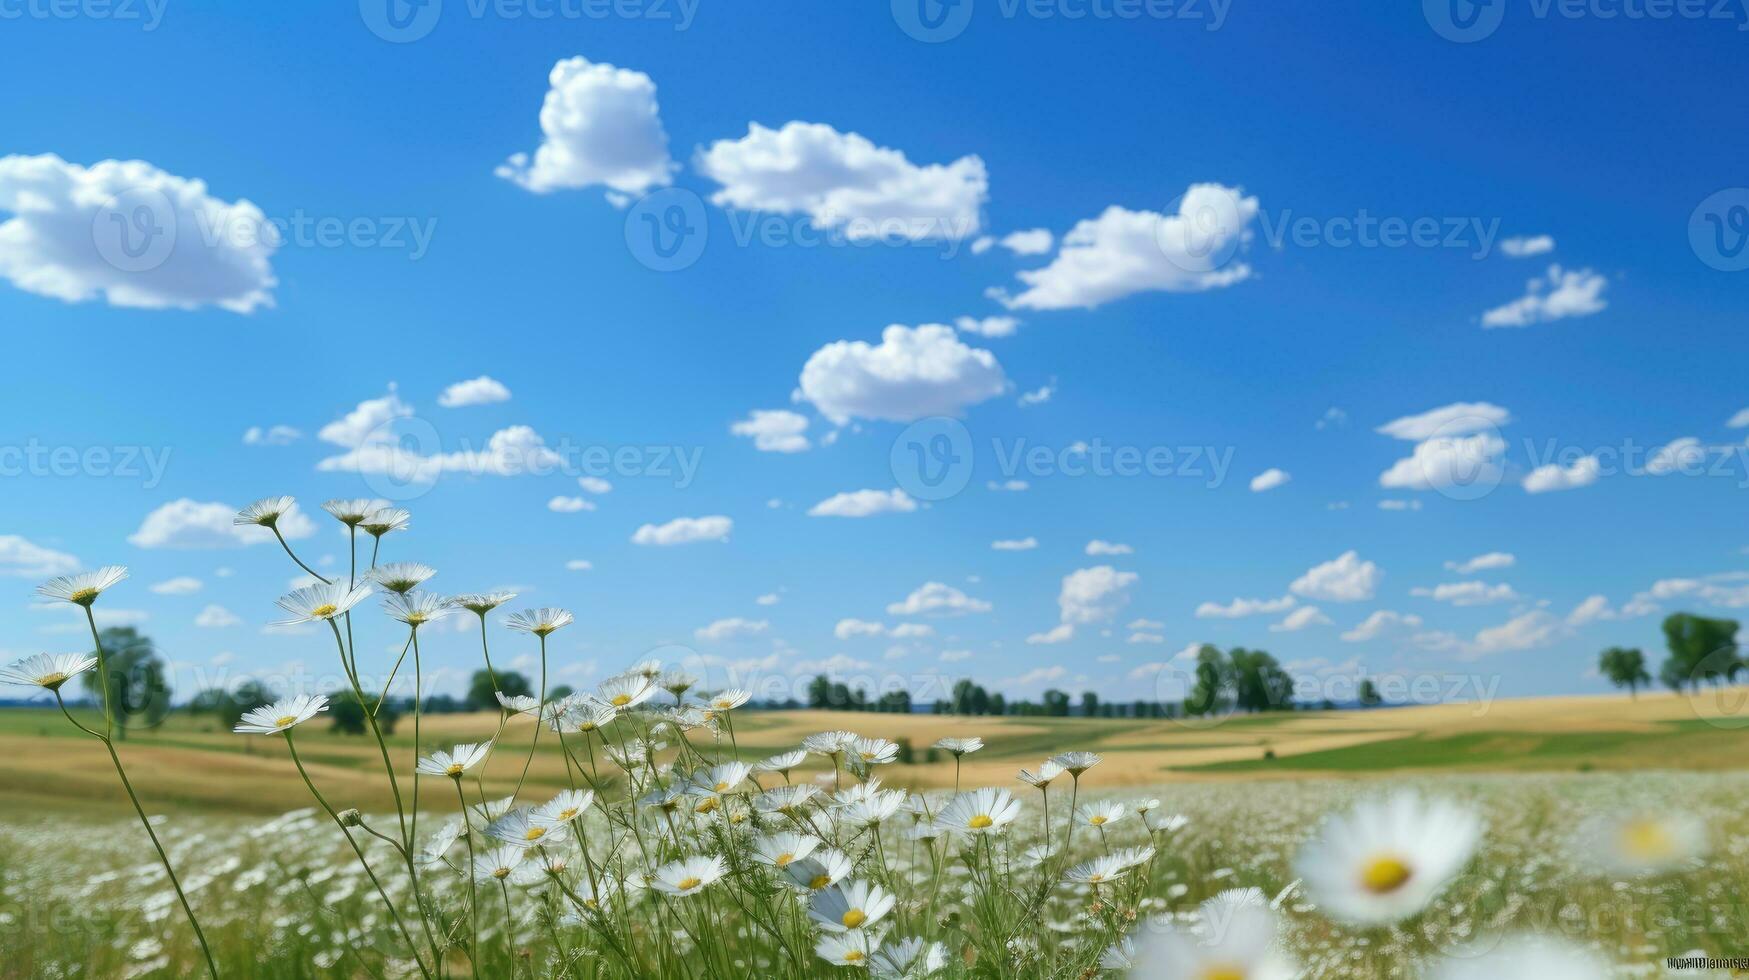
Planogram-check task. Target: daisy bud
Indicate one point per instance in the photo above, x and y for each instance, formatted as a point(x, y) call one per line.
point(351, 818)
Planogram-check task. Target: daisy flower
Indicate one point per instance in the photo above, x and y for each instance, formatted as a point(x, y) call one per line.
point(455, 761)
point(520, 828)
point(381, 522)
point(543, 866)
point(958, 747)
point(1243, 946)
point(851, 905)
point(874, 808)
point(851, 949)
point(667, 799)
point(1385, 860)
point(1166, 822)
point(498, 863)
point(720, 779)
point(782, 850)
point(1644, 843)
point(401, 576)
point(350, 512)
point(584, 715)
point(908, 959)
point(566, 807)
point(482, 602)
point(1134, 857)
point(683, 878)
point(676, 682)
point(821, 869)
point(1120, 956)
point(781, 763)
point(540, 621)
point(856, 794)
point(84, 588)
point(591, 898)
point(981, 811)
point(271, 719)
point(728, 700)
point(1097, 871)
point(651, 668)
point(316, 603)
point(874, 751)
point(1047, 772)
point(1143, 806)
point(1525, 958)
point(417, 608)
point(786, 799)
point(1100, 814)
point(626, 690)
point(1076, 763)
point(47, 670)
point(439, 844)
point(829, 743)
point(265, 512)
point(517, 704)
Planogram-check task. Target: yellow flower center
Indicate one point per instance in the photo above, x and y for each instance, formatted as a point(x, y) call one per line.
point(324, 610)
point(621, 700)
point(721, 787)
point(500, 872)
point(819, 881)
point(83, 596)
point(854, 918)
point(1096, 819)
point(285, 721)
point(853, 956)
point(980, 821)
point(568, 813)
point(454, 769)
point(1095, 878)
point(1383, 875)
point(53, 680)
point(784, 859)
point(868, 756)
point(1647, 840)
point(534, 833)
point(706, 805)
point(1221, 972)
point(688, 884)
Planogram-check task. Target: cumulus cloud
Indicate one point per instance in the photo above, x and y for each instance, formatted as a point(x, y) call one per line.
point(685, 530)
point(864, 503)
point(569, 505)
point(1033, 241)
point(1269, 479)
point(1739, 420)
point(1532, 629)
point(1399, 505)
point(191, 524)
point(1456, 419)
point(182, 585)
point(1299, 619)
point(1345, 578)
point(1678, 455)
point(774, 430)
point(1449, 462)
point(22, 558)
point(1240, 608)
point(1098, 547)
point(1525, 246)
point(1562, 293)
point(937, 599)
point(1592, 609)
point(993, 326)
point(1061, 633)
point(1382, 623)
point(1015, 544)
point(1124, 252)
point(594, 484)
point(277, 435)
point(216, 617)
point(848, 629)
point(734, 628)
point(1483, 562)
point(1467, 593)
point(912, 373)
point(370, 435)
point(844, 181)
point(482, 390)
point(1037, 397)
point(600, 126)
point(1553, 476)
point(367, 422)
point(579, 565)
point(132, 234)
point(1094, 595)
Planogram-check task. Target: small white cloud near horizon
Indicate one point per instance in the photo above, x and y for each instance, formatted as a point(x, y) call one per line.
point(579, 565)
point(913, 373)
point(569, 505)
point(1471, 593)
point(864, 503)
point(1482, 562)
point(1241, 607)
point(216, 617)
point(1561, 294)
point(1099, 547)
point(192, 524)
point(182, 585)
point(937, 599)
point(776, 430)
point(1015, 544)
point(1061, 633)
point(1553, 476)
point(1456, 419)
point(684, 530)
point(1525, 246)
point(1269, 479)
point(1345, 578)
point(482, 390)
point(276, 435)
point(1381, 623)
point(733, 628)
point(1300, 619)
point(991, 326)
point(600, 126)
point(1033, 241)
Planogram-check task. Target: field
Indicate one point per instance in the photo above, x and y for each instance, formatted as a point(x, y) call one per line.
point(280, 894)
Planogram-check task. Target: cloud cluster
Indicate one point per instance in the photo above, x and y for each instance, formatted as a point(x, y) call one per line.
point(684, 530)
point(913, 373)
point(192, 524)
point(601, 127)
point(1561, 294)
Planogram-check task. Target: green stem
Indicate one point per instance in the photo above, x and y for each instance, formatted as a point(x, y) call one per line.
point(282, 543)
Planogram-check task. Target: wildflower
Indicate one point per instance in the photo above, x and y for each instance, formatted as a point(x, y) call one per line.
point(874, 808)
point(1097, 871)
point(1241, 946)
point(1047, 771)
point(908, 959)
point(517, 704)
point(676, 682)
point(1076, 763)
point(1385, 860)
point(1119, 956)
point(667, 799)
point(440, 843)
point(271, 719)
point(540, 622)
point(583, 716)
point(1134, 857)
point(626, 690)
point(591, 897)
point(685, 719)
point(498, 863)
point(47, 670)
point(687, 877)
point(728, 700)
point(1525, 958)
point(1165, 823)
point(959, 746)
point(651, 669)
point(1143, 807)
point(350, 512)
point(821, 869)
point(1647, 843)
point(720, 779)
point(781, 763)
point(520, 828)
point(320, 603)
point(830, 744)
point(566, 807)
point(874, 751)
point(1100, 814)
point(417, 608)
point(547, 863)
point(927, 830)
point(385, 520)
point(981, 811)
point(455, 761)
point(852, 905)
point(84, 588)
point(781, 850)
point(265, 512)
point(482, 602)
point(401, 576)
point(851, 949)
point(788, 800)
point(858, 793)
point(482, 814)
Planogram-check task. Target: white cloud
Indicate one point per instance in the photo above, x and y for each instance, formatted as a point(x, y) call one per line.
point(1146, 638)
point(183, 585)
point(992, 326)
point(844, 181)
point(1123, 252)
point(20, 557)
point(72, 229)
point(366, 423)
point(1399, 505)
point(1456, 419)
point(1467, 593)
point(1685, 454)
point(1554, 476)
point(1093, 595)
point(864, 503)
point(1532, 629)
point(482, 390)
point(1493, 559)
point(1299, 619)
point(1033, 241)
point(912, 373)
point(579, 565)
point(569, 505)
point(1239, 608)
point(1038, 397)
point(937, 598)
point(1739, 420)
point(734, 628)
point(982, 244)
point(1345, 578)
point(594, 484)
point(1523, 246)
point(216, 617)
point(1560, 294)
point(911, 631)
point(189, 523)
point(954, 656)
point(278, 435)
point(1448, 462)
point(514, 451)
point(851, 628)
point(600, 127)
point(1380, 623)
point(769, 599)
point(1060, 633)
point(1592, 609)
point(1269, 479)
point(1008, 486)
point(1039, 675)
point(685, 530)
point(1098, 547)
point(1145, 624)
point(1015, 544)
point(774, 430)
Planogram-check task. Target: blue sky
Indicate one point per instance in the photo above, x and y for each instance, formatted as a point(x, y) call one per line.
point(1590, 144)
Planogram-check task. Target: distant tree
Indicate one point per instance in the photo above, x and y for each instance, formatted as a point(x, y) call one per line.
point(1056, 703)
point(1259, 683)
point(819, 691)
point(896, 702)
point(1625, 668)
point(1369, 694)
point(1214, 677)
point(1090, 704)
point(561, 692)
point(227, 707)
point(138, 695)
point(906, 755)
point(998, 704)
point(970, 698)
point(348, 716)
point(1701, 649)
point(480, 690)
